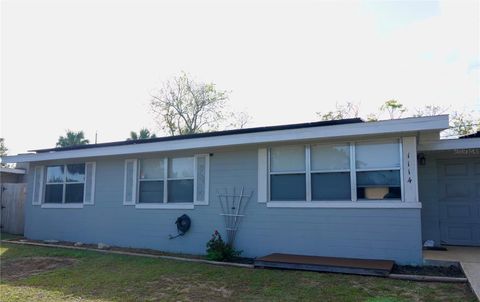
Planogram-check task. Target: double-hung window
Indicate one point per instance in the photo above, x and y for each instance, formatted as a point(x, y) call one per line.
point(180, 179)
point(170, 180)
point(330, 172)
point(151, 180)
point(65, 184)
point(287, 173)
point(335, 172)
point(378, 170)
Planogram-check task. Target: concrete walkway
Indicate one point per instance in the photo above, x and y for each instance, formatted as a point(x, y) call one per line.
point(469, 258)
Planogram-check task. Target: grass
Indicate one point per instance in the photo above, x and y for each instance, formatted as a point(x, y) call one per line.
point(104, 277)
point(6, 236)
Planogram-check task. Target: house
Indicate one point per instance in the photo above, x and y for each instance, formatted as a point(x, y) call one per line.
point(343, 188)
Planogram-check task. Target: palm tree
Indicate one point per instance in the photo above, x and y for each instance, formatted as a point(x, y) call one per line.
point(72, 138)
point(144, 133)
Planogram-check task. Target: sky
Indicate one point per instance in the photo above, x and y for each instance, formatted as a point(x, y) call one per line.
point(92, 65)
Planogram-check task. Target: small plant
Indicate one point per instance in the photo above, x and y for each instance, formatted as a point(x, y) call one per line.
point(218, 250)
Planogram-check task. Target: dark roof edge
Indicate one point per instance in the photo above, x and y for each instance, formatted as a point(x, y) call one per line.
point(473, 135)
point(206, 134)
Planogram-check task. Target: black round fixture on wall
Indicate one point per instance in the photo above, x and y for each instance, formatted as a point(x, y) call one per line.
point(183, 225)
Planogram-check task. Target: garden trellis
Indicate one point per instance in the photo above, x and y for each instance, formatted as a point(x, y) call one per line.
point(233, 206)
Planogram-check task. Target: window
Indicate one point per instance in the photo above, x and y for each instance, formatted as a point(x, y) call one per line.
point(180, 179)
point(151, 180)
point(330, 172)
point(65, 184)
point(378, 170)
point(335, 172)
point(163, 180)
point(287, 173)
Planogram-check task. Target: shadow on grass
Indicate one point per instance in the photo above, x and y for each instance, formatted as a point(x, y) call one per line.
point(104, 277)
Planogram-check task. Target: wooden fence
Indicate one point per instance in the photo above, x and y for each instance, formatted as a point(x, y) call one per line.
point(12, 207)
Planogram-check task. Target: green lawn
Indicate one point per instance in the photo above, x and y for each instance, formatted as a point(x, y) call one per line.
point(104, 277)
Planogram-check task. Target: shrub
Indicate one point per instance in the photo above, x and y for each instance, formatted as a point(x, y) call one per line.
point(218, 250)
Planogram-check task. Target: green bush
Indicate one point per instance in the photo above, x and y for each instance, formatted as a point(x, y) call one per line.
point(218, 250)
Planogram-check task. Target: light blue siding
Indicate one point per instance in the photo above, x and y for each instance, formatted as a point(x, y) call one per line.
point(362, 233)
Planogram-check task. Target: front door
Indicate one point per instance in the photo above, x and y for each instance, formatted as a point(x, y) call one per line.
point(459, 201)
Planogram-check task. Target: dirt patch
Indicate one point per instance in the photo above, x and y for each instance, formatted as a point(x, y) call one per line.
point(450, 271)
point(18, 268)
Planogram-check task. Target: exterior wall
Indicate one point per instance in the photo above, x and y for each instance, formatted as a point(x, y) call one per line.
point(428, 194)
point(359, 233)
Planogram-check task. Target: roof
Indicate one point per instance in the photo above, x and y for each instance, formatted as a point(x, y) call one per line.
point(261, 136)
point(11, 170)
point(477, 134)
point(459, 146)
point(206, 134)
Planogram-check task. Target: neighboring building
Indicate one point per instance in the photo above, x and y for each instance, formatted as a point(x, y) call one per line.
point(11, 175)
point(343, 188)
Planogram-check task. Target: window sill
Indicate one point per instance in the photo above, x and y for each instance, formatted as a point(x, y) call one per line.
point(62, 205)
point(371, 204)
point(173, 206)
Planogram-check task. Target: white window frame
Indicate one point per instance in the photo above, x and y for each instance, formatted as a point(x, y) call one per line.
point(64, 183)
point(207, 179)
point(353, 202)
point(399, 168)
point(177, 205)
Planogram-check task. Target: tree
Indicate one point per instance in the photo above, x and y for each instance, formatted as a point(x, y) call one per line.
point(185, 106)
point(72, 138)
point(239, 120)
point(3, 148)
point(462, 123)
point(430, 110)
point(144, 133)
point(394, 108)
point(348, 110)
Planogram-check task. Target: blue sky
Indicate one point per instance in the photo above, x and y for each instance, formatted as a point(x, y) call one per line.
point(91, 65)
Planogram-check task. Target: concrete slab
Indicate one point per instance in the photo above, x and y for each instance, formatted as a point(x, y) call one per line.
point(469, 258)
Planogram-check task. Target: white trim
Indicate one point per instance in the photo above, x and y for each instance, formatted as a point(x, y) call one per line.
point(207, 179)
point(195, 180)
point(288, 172)
point(180, 206)
point(402, 169)
point(308, 176)
point(62, 206)
point(262, 174)
point(92, 184)
point(133, 184)
point(181, 178)
point(330, 171)
point(353, 173)
point(450, 144)
point(409, 162)
point(38, 197)
point(12, 170)
point(165, 180)
point(381, 169)
point(289, 135)
point(345, 204)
